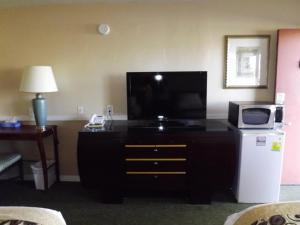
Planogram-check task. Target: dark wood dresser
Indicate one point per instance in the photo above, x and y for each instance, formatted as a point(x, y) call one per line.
point(125, 156)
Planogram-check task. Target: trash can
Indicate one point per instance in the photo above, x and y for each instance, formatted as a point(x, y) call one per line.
point(38, 175)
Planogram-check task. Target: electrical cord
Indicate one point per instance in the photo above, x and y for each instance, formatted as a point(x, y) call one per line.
point(109, 115)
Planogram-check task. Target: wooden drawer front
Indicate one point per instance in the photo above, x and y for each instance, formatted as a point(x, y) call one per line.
point(156, 181)
point(156, 164)
point(155, 151)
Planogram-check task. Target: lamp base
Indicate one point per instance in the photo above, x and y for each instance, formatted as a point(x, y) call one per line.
point(41, 128)
point(39, 106)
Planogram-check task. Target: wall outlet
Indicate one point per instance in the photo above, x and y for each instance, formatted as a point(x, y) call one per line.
point(80, 109)
point(109, 110)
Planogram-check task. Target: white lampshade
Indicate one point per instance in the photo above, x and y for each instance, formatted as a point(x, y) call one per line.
point(38, 79)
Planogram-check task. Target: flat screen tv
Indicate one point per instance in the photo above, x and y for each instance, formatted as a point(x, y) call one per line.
point(166, 95)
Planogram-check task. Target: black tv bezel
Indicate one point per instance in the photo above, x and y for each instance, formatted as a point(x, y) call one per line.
point(202, 73)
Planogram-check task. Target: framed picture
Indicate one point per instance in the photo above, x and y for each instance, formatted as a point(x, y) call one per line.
point(247, 61)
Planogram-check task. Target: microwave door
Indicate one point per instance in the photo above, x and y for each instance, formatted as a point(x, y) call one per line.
point(256, 116)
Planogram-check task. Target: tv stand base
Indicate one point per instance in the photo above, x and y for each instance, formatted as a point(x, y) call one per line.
point(116, 161)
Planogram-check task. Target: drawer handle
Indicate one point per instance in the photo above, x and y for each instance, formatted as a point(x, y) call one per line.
point(155, 177)
point(156, 150)
point(155, 163)
point(155, 172)
point(171, 146)
point(139, 146)
point(154, 159)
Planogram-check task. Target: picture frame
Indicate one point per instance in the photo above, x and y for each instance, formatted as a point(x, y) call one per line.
point(247, 61)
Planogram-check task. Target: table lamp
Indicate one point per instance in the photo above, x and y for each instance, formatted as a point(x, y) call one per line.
point(39, 79)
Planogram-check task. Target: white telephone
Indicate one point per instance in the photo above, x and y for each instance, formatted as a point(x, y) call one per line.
point(96, 121)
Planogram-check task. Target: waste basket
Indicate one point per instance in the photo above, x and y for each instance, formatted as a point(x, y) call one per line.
point(38, 175)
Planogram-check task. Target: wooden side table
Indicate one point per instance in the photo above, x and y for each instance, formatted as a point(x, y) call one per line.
point(31, 133)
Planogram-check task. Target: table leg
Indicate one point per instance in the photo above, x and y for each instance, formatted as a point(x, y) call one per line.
point(43, 160)
point(56, 156)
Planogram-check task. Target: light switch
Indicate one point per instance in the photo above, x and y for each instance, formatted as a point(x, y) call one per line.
point(280, 96)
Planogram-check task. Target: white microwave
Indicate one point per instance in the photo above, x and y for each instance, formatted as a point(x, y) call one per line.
point(261, 115)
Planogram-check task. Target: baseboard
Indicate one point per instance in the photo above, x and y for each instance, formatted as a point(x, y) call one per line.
point(64, 178)
point(68, 178)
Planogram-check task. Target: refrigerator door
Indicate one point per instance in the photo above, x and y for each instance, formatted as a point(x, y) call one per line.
point(260, 166)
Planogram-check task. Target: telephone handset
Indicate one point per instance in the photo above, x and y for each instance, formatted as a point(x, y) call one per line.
point(96, 121)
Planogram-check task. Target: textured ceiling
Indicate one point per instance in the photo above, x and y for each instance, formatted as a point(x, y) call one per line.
point(9, 3)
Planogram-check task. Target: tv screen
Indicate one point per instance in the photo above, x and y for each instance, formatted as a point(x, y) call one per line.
point(167, 95)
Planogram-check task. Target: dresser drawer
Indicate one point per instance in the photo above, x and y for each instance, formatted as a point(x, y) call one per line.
point(156, 181)
point(155, 151)
point(135, 164)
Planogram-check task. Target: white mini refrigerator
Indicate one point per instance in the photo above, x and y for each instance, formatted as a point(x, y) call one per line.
point(260, 157)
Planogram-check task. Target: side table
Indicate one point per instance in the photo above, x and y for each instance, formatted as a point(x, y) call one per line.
point(31, 133)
